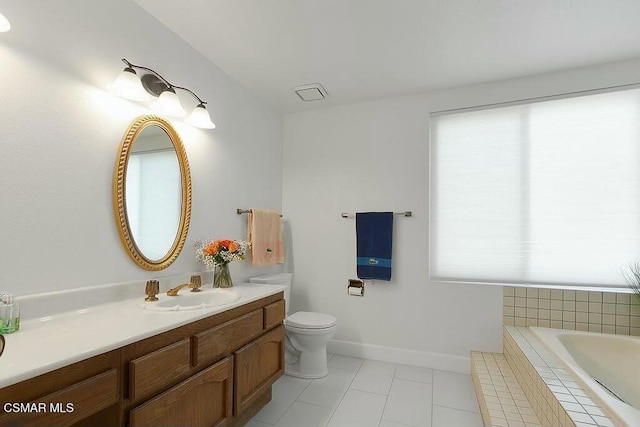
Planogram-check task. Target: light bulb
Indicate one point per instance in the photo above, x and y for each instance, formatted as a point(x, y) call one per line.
point(128, 85)
point(200, 118)
point(168, 104)
point(5, 25)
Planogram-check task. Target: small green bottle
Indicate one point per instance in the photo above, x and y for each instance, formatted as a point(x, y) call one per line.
point(9, 314)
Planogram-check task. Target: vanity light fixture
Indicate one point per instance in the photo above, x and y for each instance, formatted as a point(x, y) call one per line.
point(128, 85)
point(168, 104)
point(5, 25)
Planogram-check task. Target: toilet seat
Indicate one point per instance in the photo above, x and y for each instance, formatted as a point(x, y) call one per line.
point(310, 320)
point(306, 331)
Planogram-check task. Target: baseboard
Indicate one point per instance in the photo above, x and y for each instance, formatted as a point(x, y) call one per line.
point(444, 362)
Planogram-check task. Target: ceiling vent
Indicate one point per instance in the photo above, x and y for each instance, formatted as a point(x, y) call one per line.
point(311, 92)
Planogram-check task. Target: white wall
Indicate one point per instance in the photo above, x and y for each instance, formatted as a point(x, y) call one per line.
point(60, 131)
point(373, 157)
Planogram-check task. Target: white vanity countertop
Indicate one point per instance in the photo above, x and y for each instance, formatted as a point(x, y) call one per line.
point(43, 345)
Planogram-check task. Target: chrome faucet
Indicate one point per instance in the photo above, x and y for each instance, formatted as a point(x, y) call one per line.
point(194, 283)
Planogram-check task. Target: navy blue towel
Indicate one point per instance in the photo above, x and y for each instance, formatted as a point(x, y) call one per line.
point(374, 235)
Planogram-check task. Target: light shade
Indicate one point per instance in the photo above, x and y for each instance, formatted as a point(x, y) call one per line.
point(168, 104)
point(5, 25)
point(200, 118)
point(128, 85)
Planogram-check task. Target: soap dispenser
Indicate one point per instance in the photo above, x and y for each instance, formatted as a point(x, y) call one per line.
point(9, 314)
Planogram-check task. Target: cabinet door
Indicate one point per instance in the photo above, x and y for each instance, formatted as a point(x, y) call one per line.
point(202, 400)
point(69, 405)
point(257, 366)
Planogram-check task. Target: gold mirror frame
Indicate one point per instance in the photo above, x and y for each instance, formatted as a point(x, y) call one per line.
point(119, 193)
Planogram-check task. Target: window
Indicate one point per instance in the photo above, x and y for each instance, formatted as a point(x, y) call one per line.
point(154, 197)
point(545, 192)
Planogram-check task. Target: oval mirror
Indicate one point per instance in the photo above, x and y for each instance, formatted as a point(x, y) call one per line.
point(152, 192)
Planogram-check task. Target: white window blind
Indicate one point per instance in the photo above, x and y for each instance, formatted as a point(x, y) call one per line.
point(154, 197)
point(546, 192)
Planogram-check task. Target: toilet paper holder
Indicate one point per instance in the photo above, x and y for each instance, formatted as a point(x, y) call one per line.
point(355, 288)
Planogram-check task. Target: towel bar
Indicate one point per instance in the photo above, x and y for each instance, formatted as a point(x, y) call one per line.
point(349, 215)
point(244, 211)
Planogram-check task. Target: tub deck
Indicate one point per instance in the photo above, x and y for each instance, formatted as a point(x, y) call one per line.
point(555, 395)
point(501, 399)
point(604, 365)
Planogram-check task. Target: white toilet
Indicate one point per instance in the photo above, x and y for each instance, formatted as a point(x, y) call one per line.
point(307, 334)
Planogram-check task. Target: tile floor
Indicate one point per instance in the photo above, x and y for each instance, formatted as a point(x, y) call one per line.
point(368, 393)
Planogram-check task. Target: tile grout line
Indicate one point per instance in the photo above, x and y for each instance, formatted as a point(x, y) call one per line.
point(291, 404)
point(457, 409)
point(395, 369)
point(349, 388)
point(345, 393)
point(451, 407)
point(432, 405)
point(415, 381)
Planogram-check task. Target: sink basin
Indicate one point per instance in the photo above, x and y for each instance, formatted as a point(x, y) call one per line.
point(193, 300)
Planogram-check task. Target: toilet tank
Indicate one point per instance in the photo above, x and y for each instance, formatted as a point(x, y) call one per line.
point(282, 279)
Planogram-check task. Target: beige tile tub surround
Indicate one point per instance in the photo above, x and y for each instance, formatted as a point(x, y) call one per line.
point(556, 398)
point(502, 402)
point(607, 312)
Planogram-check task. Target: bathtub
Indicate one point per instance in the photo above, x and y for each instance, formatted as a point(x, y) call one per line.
point(614, 360)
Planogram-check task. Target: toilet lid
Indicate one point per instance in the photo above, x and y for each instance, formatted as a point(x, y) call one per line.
point(310, 320)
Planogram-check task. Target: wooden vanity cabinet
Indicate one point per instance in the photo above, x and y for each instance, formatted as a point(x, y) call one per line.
point(215, 343)
point(274, 314)
point(157, 369)
point(216, 371)
point(205, 399)
point(257, 365)
point(91, 387)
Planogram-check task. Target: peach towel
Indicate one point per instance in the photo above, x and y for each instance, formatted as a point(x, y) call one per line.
point(264, 232)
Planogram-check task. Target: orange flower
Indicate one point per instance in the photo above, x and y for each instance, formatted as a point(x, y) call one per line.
point(212, 249)
point(233, 247)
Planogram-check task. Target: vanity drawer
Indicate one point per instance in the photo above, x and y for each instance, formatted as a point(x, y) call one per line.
point(203, 399)
point(274, 314)
point(216, 343)
point(71, 404)
point(158, 369)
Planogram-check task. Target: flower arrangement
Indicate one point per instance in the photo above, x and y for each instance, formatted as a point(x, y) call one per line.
point(220, 252)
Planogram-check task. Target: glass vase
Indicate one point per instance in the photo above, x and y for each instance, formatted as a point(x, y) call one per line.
point(222, 276)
